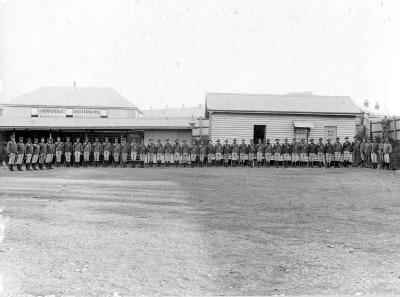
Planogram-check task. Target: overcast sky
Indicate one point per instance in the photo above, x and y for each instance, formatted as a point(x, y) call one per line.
point(159, 53)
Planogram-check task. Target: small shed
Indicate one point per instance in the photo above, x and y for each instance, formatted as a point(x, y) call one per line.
point(300, 115)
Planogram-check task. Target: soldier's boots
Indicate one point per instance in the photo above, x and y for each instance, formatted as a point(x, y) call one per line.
point(11, 167)
point(19, 167)
point(27, 167)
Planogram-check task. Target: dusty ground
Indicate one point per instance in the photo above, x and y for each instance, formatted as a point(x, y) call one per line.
point(200, 231)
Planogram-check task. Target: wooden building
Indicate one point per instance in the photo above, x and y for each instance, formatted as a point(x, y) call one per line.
point(300, 115)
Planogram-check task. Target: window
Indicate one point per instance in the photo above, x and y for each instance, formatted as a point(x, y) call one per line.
point(330, 133)
point(103, 113)
point(301, 133)
point(68, 113)
point(34, 112)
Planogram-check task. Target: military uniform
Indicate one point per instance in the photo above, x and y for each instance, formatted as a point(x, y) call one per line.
point(303, 153)
point(28, 154)
point(77, 152)
point(356, 152)
point(42, 153)
point(268, 149)
point(346, 152)
point(218, 153)
point(243, 152)
point(134, 153)
point(185, 153)
point(338, 148)
point(320, 152)
point(380, 154)
point(142, 153)
point(368, 150)
point(11, 152)
point(151, 151)
point(259, 152)
point(374, 153)
point(160, 152)
point(251, 148)
point(312, 152)
point(107, 149)
point(97, 147)
point(329, 152)
point(68, 149)
point(168, 153)
point(277, 152)
point(202, 153)
point(235, 153)
point(59, 145)
point(286, 153)
point(226, 150)
point(194, 152)
point(387, 151)
point(210, 153)
point(20, 153)
point(35, 153)
point(294, 151)
point(363, 146)
point(124, 151)
point(116, 152)
point(50, 153)
point(177, 153)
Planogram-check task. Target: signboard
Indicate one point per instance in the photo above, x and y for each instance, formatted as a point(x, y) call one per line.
point(53, 112)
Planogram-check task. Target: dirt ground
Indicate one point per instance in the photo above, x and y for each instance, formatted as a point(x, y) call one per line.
point(209, 231)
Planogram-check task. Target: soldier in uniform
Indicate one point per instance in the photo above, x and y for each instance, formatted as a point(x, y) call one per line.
point(374, 153)
point(381, 159)
point(28, 154)
point(268, 153)
point(177, 152)
point(142, 153)
point(363, 146)
point(259, 152)
point(116, 152)
point(368, 149)
point(387, 151)
point(251, 148)
point(124, 152)
point(151, 150)
point(42, 153)
point(68, 148)
point(87, 148)
point(226, 150)
point(218, 153)
point(59, 150)
point(329, 152)
point(107, 149)
point(312, 153)
point(202, 153)
point(286, 153)
point(320, 152)
point(210, 153)
point(356, 151)
point(77, 152)
point(294, 151)
point(185, 153)
point(159, 152)
point(346, 152)
point(168, 153)
point(235, 153)
point(303, 152)
point(243, 152)
point(11, 152)
point(96, 151)
point(35, 153)
point(50, 153)
point(194, 151)
point(338, 148)
point(20, 153)
point(134, 153)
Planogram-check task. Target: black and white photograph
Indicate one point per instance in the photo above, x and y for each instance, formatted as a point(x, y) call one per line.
point(199, 148)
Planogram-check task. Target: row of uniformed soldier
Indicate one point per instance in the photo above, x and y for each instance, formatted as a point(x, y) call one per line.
point(297, 153)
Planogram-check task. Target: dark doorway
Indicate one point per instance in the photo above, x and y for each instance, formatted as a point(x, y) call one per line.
point(259, 133)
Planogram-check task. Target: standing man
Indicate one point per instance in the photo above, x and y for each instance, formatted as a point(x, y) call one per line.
point(312, 153)
point(243, 152)
point(385, 126)
point(338, 148)
point(35, 153)
point(134, 152)
point(59, 150)
point(202, 153)
point(50, 151)
point(151, 150)
point(286, 153)
point(346, 152)
point(294, 150)
point(116, 152)
point(20, 153)
point(368, 150)
point(268, 153)
point(356, 151)
point(194, 151)
point(374, 153)
point(185, 153)
point(226, 150)
point(259, 152)
point(320, 152)
point(168, 153)
point(363, 146)
point(42, 153)
point(124, 152)
point(303, 153)
point(68, 148)
point(177, 152)
point(107, 149)
point(28, 154)
point(210, 153)
point(77, 152)
point(235, 153)
point(387, 151)
point(160, 152)
point(87, 148)
point(218, 153)
point(96, 151)
point(251, 148)
point(381, 159)
point(142, 153)
point(11, 151)
point(277, 152)
point(329, 151)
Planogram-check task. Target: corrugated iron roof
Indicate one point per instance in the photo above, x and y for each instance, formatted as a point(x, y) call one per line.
point(289, 103)
point(184, 112)
point(73, 96)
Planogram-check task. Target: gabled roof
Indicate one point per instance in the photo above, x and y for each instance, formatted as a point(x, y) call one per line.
point(175, 113)
point(73, 96)
point(302, 103)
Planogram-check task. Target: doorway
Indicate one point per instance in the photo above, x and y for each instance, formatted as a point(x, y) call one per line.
point(259, 133)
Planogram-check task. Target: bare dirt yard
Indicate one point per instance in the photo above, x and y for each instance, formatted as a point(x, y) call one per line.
point(203, 231)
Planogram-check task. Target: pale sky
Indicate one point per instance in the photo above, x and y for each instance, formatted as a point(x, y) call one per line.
point(171, 52)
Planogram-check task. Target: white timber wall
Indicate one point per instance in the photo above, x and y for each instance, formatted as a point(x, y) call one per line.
point(172, 135)
point(229, 126)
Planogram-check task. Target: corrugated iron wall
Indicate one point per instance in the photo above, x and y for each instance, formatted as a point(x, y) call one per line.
point(229, 126)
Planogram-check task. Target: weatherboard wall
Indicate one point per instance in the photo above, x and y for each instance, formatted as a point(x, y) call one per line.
point(241, 125)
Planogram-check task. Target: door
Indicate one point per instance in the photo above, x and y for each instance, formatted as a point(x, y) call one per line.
point(330, 133)
point(259, 133)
